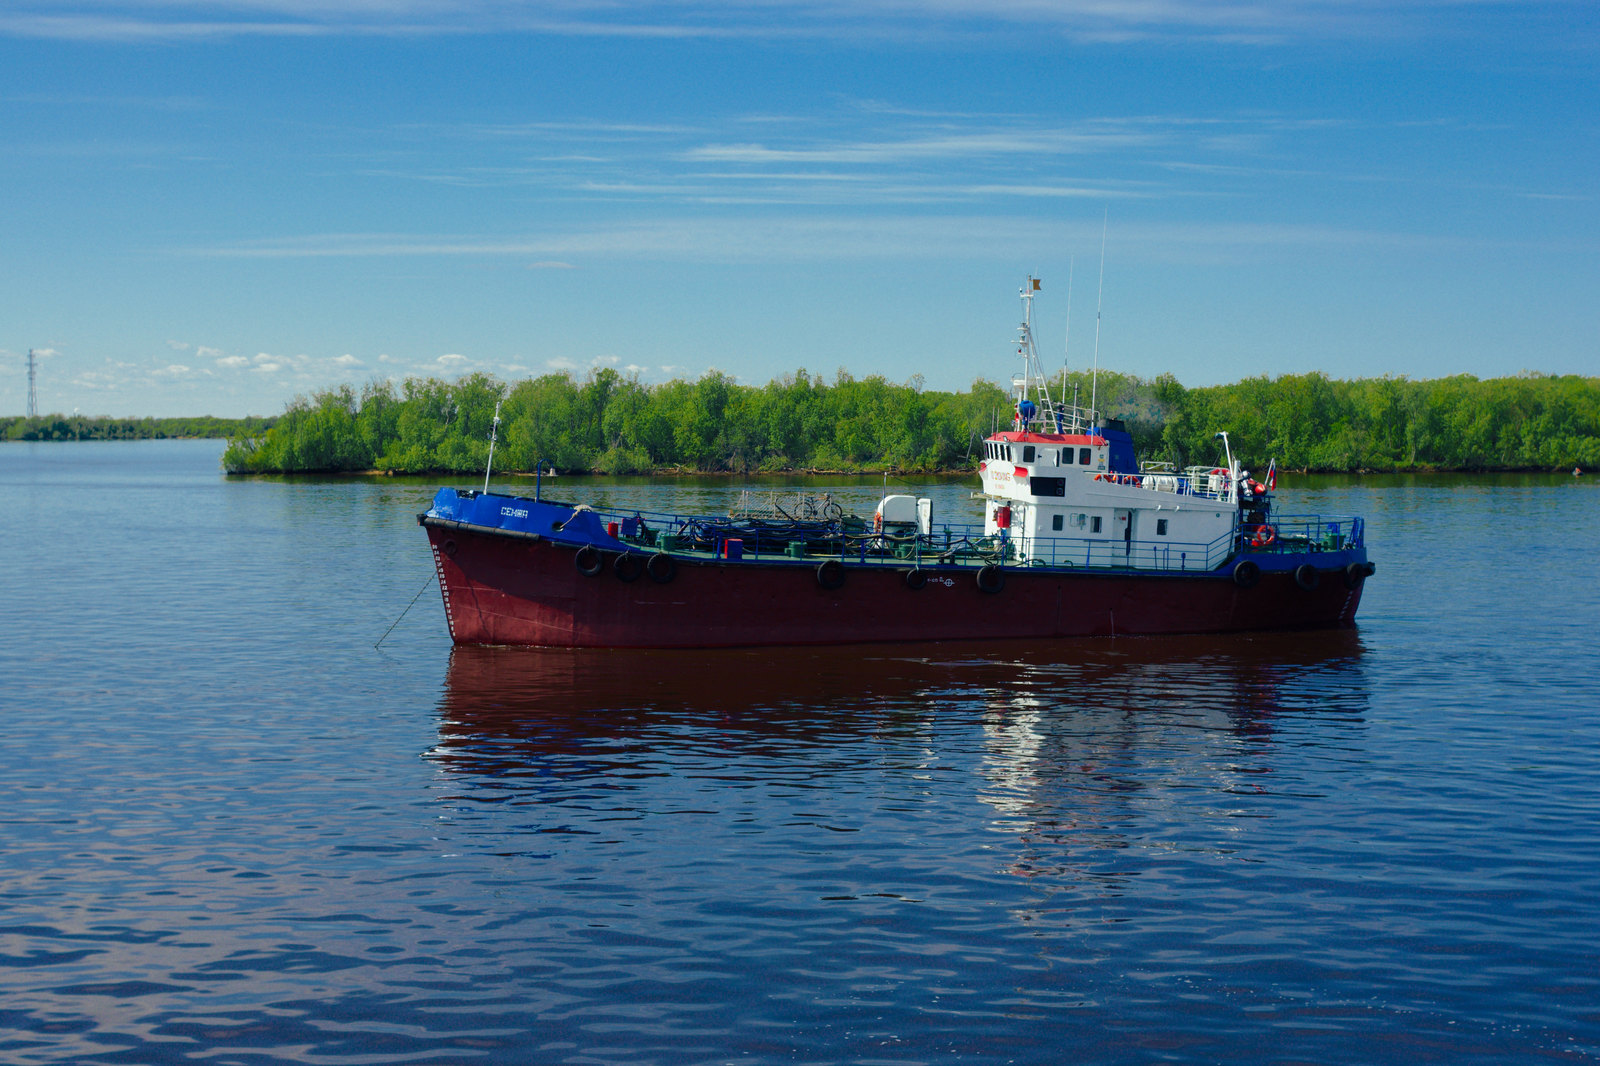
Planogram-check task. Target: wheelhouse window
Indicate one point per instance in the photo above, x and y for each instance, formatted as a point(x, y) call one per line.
point(1028, 454)
point(1084, 456)
point(1048, 486)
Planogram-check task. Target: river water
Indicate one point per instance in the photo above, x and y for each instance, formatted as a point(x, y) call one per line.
point(234, 832)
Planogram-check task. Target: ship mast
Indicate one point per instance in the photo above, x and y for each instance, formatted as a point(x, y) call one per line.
point(1034, 405)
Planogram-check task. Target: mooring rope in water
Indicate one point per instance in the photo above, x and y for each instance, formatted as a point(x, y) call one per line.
point(410, 605)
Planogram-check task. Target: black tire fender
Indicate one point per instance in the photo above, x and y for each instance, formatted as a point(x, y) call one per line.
point(916, 578)
point(1306, 576)
point(830, 574)
point(627, 566)
point(1247, 575)
point(991, 578)
point(662, 568)
point(1356, 573)
point(589, 561)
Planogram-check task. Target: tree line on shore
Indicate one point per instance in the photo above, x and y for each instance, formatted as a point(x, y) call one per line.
point(609, 423)
point(79, 427)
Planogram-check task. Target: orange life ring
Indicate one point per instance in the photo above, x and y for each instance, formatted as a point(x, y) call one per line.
point(1264, 536)
point(877, 522)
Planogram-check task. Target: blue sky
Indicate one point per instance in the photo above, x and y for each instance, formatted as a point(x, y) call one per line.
point(212, 206)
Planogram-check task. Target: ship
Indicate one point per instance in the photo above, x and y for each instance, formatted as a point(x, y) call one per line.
point(1078, 539)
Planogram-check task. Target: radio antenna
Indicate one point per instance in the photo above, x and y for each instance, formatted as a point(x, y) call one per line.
point(1094, 382)
point(1066, 350)
point(494, 432)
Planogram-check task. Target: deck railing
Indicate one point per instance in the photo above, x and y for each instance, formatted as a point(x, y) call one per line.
point(1305, 533)
point(853, 539)
point(1108, 552)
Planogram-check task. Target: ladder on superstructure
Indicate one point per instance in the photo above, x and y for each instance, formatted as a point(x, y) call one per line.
point(1032, 385)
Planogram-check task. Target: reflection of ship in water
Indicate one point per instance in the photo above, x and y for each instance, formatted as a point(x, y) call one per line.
point(504, 705)
point(499, 700)
point(1078, 775)
point(1161, 740)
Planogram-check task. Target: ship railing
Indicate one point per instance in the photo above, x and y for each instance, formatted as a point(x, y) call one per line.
point(786, 506)
point(1061, 417)
point(1304, 533)
point(853, 539)
point(1110, 553)
point(1197, 482)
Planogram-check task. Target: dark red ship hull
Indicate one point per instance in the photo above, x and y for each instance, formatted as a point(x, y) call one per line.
point(508, 590)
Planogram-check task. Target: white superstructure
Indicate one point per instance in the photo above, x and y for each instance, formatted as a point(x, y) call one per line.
point(1062, 487)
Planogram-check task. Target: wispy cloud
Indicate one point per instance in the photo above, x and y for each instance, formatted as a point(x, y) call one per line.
point(141, 26)
point(1240, 22)
point(780, 238)
point(98, 102)
point(990, 145)
point(866, 155)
